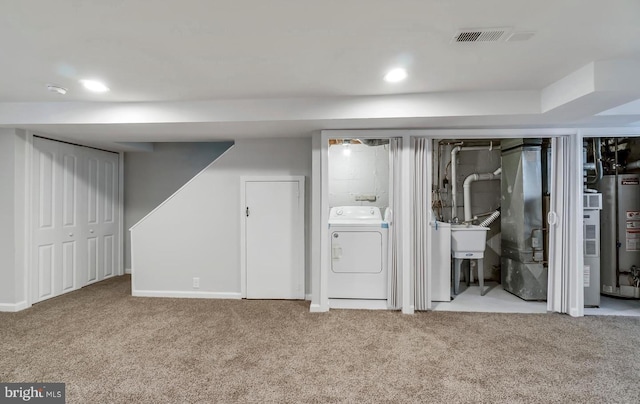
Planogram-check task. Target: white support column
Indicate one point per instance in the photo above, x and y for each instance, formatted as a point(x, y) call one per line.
point(575, 287)
point(429, 186)
point(121, 230)
point(319, 300)
point(405, 228)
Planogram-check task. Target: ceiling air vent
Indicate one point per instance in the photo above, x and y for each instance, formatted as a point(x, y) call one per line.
point(480, 35)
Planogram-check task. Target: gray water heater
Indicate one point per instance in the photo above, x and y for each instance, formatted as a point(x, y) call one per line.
point(620, 233)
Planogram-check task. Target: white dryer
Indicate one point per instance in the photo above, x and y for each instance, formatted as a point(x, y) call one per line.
point(359, 250)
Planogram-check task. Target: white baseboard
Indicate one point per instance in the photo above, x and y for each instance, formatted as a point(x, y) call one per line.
point(408, 310)
point(186, 294)
point(317, 308)
point(307, 297)
point(13, 307)
point(127, 270)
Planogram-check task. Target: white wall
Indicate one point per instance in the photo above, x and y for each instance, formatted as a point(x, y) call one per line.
point(151, 177)
point(196, 233)
point(364, 171)
point(7, 265)
point(12, 219)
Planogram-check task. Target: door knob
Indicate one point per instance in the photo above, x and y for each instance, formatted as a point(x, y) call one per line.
point(70, 234)
point(91, 231)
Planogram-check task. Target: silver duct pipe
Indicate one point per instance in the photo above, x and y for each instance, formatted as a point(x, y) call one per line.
point(597, 161)
point(487, 222)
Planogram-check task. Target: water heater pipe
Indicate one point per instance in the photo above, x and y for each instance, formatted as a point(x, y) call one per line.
point(597, 161)
point(467, 189)
point(454, 172)
point(633, 165)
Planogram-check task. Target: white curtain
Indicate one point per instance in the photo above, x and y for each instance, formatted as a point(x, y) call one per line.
point(394, 299)
point(558, 224)
point(420, 224)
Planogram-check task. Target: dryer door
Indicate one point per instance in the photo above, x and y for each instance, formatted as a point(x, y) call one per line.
point(356, 252)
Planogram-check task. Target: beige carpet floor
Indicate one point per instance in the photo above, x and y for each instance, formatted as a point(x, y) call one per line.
point(109, 347)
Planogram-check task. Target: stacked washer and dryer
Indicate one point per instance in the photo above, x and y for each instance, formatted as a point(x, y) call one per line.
point(359, 240)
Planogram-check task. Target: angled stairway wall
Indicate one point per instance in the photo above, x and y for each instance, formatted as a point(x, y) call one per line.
point(196, 232)
point(152, 177)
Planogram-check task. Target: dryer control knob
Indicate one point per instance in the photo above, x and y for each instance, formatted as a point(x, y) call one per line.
point(339, 212)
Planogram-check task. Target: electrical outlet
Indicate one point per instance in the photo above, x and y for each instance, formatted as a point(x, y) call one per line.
point(196, 283)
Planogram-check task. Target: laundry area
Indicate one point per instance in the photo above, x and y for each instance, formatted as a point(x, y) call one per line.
point(360, 214)
point(611, 204)
point(490, 199)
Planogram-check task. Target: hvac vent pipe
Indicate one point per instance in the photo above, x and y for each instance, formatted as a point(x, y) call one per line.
point(454, 173)
point(467, 189)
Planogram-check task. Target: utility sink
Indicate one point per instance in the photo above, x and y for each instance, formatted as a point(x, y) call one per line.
point(468, 241)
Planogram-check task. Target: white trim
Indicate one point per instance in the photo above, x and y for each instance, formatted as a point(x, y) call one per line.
point(324, 222)
point(307, 296)
point(454, 133)
point(28, 181)
point(13, 307)
point(184, 294)
point(609, 132)
point(121, 269)
point(127, 271)
point(316, 308)
point(243, 238)
point(316, 226)
point(300, 179)
point(429, 154)
point(406, 213)
point(181, 188)
point(573, 301)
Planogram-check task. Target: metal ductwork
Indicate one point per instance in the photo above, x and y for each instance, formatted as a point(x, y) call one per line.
point(522, 268)
point(374, 142)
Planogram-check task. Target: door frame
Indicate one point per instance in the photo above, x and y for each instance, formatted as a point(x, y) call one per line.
point(564, 283)
point(28, 217)
point(320, 210)
point(243, 223)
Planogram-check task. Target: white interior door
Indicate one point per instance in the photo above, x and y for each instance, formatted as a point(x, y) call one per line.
point(274, 237)
point(75, 217)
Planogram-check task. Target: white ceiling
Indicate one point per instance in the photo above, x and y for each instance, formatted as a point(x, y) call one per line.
point(164, 55)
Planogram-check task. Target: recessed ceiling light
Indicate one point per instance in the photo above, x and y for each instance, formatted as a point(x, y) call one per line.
point(56, 89)
point(395, 75)
point(95, 86)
